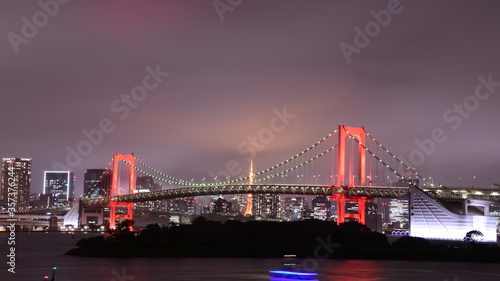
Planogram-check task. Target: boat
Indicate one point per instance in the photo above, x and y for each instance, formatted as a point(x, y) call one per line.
point(285, 275)
point(292, 271)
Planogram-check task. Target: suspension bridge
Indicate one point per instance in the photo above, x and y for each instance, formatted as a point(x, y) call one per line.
point(347, 165)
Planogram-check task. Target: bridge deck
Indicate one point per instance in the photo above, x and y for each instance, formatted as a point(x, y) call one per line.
point(294, 189)
point(327, 190)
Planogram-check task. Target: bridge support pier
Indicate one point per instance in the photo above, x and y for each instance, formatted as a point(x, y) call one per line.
point(114, 206)
point(341, 199)
point(117, 190)
point(481, 205)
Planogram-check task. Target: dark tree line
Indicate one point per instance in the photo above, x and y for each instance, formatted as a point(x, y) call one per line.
point(233, 238)
point(205, 238)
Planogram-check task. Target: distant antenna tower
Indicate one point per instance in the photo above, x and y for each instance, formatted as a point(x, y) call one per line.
point(248, 209)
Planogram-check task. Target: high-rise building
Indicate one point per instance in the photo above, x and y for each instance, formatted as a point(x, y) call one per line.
point(96, 182)
point(235, 204)
point(186, 205)
point(146, 184)
point(333, 210)
point(241, 200)
point(16, 174)
point(206, 209)
point(59, 185)
point(291, 208)
point(383, 209)
point(35, 200)
point(220, 206)
point(34, 197)
point(398, 213)
point(321, 208)
point(307, 213)
point(266, 206)
point(191, 205)
point(373, 219)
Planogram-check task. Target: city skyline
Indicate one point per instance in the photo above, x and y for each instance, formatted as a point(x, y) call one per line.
point(215, 84)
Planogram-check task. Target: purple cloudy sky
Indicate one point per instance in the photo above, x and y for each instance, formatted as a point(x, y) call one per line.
point(227, 76)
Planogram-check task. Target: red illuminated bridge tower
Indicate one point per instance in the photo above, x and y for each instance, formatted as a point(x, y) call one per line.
point(348, 180)
point(123, 182)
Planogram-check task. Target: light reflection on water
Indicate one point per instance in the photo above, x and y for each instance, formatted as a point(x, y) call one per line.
point(37, 253)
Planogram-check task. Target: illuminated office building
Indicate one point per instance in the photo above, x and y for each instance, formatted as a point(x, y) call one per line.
point(96, 182)
point(398, 213)
point(321, 208)
point(266, 206)
point(16, 174)
point(59, 185)
point(291, 208)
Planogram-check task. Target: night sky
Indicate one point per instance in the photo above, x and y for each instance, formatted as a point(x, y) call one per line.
point(230, 68)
